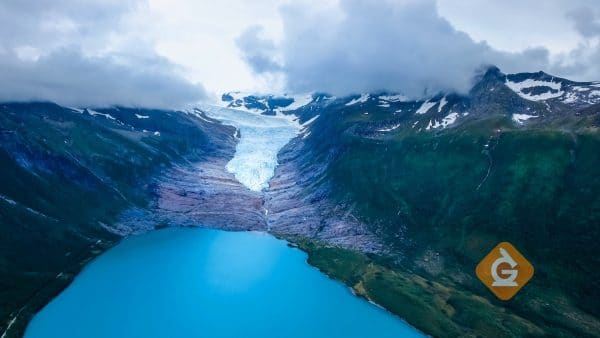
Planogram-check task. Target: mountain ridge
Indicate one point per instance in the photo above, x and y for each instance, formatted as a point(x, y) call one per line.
point(397, 198)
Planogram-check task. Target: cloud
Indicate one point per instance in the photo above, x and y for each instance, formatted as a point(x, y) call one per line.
point(70, 78)
point(84, 54)
point(583, 61)
point(258, 50)
point(586, 21)
point(47, 24)
point(367, 46)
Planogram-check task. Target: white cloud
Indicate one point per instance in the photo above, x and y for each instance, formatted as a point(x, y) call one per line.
point(405, 46)
point(85, 53)
point(514, 25)
point(368, 46)
point(67, 77)
point(340, 46)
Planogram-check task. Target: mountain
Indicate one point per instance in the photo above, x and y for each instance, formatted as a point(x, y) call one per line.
point(265, 104)
point(397, 198)
point(67, 175)
point(441, 181)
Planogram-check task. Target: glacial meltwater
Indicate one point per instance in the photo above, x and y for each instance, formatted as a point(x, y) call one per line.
point(185, 282)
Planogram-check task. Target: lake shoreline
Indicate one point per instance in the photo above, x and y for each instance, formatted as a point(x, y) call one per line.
point(52, 290)
point(284, 243)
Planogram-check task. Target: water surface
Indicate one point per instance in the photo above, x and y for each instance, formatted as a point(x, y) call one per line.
point(206, 283)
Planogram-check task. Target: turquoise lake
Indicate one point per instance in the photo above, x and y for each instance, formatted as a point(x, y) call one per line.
point(186, 282)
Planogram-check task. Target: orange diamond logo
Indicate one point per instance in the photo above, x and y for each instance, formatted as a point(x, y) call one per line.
point(504, 271)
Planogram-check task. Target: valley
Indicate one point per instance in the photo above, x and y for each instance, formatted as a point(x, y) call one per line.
point(398, 199)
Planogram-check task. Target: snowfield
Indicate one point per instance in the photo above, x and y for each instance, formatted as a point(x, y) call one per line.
point(518, 88)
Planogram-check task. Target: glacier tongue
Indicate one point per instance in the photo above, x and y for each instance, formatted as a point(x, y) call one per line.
point(262, 137)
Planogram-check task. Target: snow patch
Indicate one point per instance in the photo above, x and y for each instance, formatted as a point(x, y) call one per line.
point(393, 98)
point(11, 322)
point(581, 89)
point(518, 88)
point(8, 200)
point(237, 95)
point(570, 98)
point(428, 125)
point(307, 123)
point(446, 121)
point(394, 127)
point(362, 99)
point(299, 102)
point(443, 102)
point(94, 113)
point(449, 119)
point(14, 203)
point(239, 98)
point(521, 118)
point(197, 113)
point(425, 107)
point(591, 96)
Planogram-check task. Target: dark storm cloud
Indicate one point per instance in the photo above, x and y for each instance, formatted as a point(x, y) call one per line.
point(403, 46)
point(42, 57)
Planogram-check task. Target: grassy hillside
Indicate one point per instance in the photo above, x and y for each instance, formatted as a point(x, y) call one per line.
point(442, 199)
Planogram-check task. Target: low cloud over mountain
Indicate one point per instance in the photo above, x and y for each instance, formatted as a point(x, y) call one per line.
point(83, 54)
point(406, 46)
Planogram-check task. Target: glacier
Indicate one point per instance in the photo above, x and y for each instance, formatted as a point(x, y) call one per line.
point(261, 139)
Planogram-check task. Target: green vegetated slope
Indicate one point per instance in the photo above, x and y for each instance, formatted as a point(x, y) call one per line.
point(442, 199)
point(65, 173)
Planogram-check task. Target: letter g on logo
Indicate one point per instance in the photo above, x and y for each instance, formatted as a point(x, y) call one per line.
point(506, 281)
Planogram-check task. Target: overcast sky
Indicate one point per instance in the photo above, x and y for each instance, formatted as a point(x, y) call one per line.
point(166, 53)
